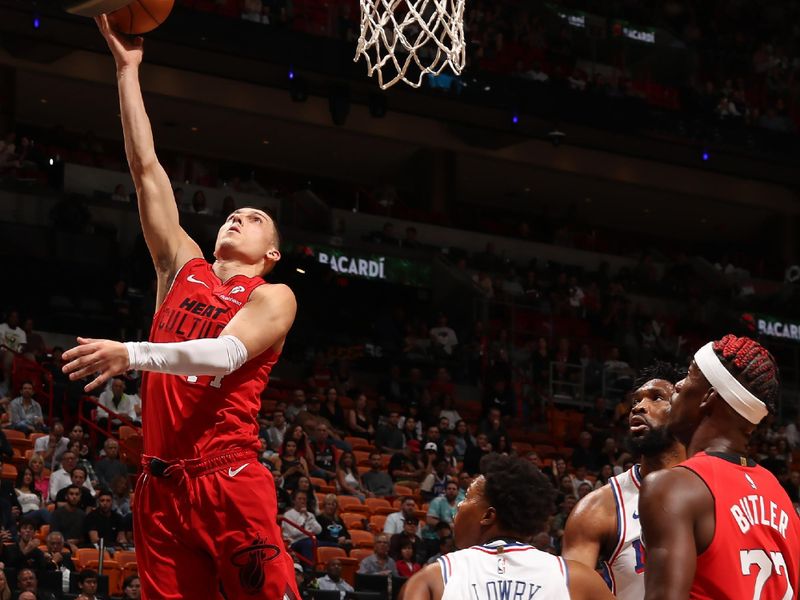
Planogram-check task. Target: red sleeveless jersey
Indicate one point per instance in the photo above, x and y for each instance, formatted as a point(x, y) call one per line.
point(755, 551)
point(196, 416)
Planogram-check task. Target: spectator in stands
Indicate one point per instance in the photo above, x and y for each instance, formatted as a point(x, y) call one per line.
point(379, 562)
point(297, 406)
point(443, 508)
point(78, 478)
point(52, 446)
point(332, 410)
point(40, 480)
point(443, 338)
point(304, 485)
point(322, 454)
point(435, 482)
point(411, 429)
point(446, 545)
point(132, 587)
point(291, 466)
point(333, 579)
point(12, 341)
point(376, 481)
point(76, 434)
point(25, 553)
point(474, 454)
point(411, 533)
point(463, 439)
point(34, 347)
point(560, 519)
point(493, 425)
point(5, 590)
point(300, 515)
point(405, 467)
point(389, 437)
point(407, 563)
point(121, 488)
point(115, 399)
point(26, 413)
point(301, 440)
point(394, 522)
point(30, 498)
point(586, 456)
point(109, 467)
point(359, 420)
point(449, 411)
point(62, 477)
point(57, 556)
point(277, 430)
point(106, 524)
point(87, 584)
point(199, 204)
point(334, 531)
point(27, 582)
point(347, 478)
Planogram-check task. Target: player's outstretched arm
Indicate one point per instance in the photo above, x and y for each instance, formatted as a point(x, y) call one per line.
point(170, 246)
point(586, 584)
point(425, 584)
point(590, 526)
point(261, 324)
point(670, 502)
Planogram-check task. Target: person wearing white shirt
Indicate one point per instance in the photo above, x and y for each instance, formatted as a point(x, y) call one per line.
point(62, 478)
point(443, 336)
point(13, 337)
point(300, 515)
point(394, 522)
point(51, 447)
point(333, 579)
point(115, 400)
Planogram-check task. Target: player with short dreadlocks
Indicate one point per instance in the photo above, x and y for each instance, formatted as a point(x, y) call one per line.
point(718, 526)
point(604, 525)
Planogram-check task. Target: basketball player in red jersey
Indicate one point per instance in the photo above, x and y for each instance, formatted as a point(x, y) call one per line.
point(205, 509)
point(718, 526)
point(605, 524)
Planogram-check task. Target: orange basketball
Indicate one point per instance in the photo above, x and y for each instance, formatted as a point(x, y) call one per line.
point(140, 16)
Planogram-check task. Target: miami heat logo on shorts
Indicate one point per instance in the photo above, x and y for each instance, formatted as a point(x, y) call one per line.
point(250, 560)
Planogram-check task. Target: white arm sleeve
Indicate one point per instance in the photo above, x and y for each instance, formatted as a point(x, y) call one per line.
point(211, 356)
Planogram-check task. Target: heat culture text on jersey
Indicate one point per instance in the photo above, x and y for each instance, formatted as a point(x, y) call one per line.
point(755, 510)
point(501, 589)
point(192, 320)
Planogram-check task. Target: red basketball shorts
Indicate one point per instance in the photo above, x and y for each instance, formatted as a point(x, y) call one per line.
point(206, 528)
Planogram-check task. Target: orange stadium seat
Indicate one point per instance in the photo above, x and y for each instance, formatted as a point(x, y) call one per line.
point(350, 504)
point(402, 490)
point(376, 503)
point(362, 539)
point(353, 520)
point(376, 523)
point(360, 553)
point(325, 553)
point(9, 472)
point(13, 434)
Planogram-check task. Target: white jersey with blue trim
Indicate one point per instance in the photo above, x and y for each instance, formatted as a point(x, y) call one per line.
point(624, 571)
point(504, 570)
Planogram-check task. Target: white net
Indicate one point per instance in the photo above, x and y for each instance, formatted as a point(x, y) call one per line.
point(403, 40)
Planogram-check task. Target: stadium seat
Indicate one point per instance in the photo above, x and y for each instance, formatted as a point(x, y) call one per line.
point(375, 503)
point(126, 431)
point(350, 504)
point(349, 568)
point(325, 553)
point(13, 434)
point(362, 539)
point(85, 555)
point(318, 482)
point(112, 570)
point(376, 523)
point(359, 445)
point(128, 569)
point(320, 496)
point(42, 532)
point(353, 520)
point(361, 456)
point(35, 436)
point(9, 472)
point(124, 557)
point(402, 490)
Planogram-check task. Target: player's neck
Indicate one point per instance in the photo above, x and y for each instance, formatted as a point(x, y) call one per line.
point(711, 438)
point(227, 268)
point(664, 460)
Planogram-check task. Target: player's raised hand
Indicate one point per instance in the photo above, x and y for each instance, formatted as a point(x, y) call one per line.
point(127, 51)
point(107, 357)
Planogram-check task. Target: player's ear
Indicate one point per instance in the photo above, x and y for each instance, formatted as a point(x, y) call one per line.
point(489, 517)
point(709, 400)
point(273, 254)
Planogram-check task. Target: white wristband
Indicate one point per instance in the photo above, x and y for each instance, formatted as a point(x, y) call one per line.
point(210, 356)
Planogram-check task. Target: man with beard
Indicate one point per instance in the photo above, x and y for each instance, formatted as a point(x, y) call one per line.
point(718, 525)
point(605, 524)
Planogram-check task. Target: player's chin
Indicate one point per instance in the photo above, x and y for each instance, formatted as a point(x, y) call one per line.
point(639, 431)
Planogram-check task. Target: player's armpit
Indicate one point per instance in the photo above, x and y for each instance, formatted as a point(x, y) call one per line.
point(590, 527)
point(265, 320)
point(425, 584)
point(670, 502)
point(586, 584)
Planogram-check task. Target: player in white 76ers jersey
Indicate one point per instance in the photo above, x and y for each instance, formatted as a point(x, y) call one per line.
point(604, 525)
point(505, 505)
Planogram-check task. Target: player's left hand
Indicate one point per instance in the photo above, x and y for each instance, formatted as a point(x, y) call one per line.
point(90, 356)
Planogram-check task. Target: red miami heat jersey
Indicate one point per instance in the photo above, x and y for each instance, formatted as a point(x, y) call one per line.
point(195, 416)
point(755, 551)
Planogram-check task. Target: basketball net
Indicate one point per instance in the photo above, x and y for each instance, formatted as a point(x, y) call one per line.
point(403, 40)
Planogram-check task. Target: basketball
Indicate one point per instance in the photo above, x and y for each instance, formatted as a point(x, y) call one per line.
point(140, 16)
